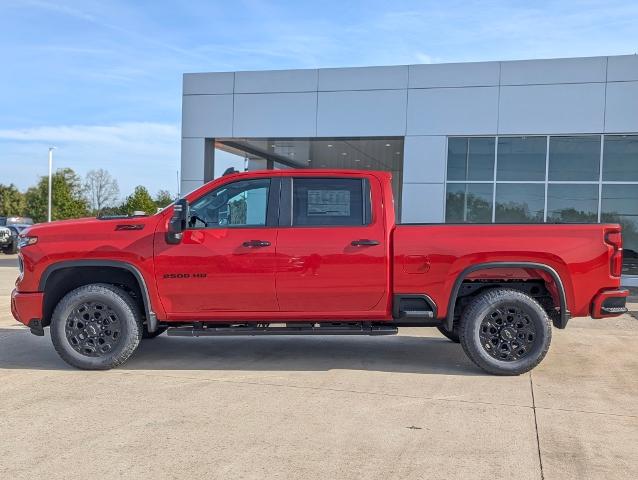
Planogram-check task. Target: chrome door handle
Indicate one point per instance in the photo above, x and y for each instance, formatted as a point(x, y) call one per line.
point(256, 243)
point(364, 242)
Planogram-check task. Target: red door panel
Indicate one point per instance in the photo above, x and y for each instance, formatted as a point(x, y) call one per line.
point(319, 269)
point(212, 271)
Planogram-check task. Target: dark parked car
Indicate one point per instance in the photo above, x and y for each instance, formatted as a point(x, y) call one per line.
point(9, 236)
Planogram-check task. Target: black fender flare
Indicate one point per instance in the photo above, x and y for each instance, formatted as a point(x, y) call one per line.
point(151, 318)
point(561, 322)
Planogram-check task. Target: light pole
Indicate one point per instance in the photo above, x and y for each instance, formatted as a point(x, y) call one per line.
point(50, 179)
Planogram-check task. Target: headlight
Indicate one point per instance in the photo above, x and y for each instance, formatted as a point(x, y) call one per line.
point(24, 241)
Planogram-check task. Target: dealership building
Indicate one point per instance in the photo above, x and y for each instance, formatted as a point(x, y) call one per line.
point(527, 141)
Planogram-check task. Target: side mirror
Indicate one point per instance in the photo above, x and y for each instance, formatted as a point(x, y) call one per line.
point(178, 222)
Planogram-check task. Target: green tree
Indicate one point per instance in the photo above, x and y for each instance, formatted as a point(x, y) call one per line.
point(67, 197)
point(11, 201)
point(139, 200)
point(163, 198)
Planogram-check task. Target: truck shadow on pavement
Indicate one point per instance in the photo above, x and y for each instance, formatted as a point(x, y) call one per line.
point(401, 354)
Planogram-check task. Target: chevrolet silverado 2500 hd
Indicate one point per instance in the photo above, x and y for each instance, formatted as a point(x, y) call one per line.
point(310, 252)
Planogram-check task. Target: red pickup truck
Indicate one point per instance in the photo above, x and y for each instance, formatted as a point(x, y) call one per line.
point(310, 252)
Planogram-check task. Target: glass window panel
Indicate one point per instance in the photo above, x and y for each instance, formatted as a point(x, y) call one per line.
point(519, 203)
point(572, 203)
point(470, 158)
point(620, 158)
point(574, 158)
point(521, 158)
point(242, 203)
point(620, 205)
point(468, 202)
point(328, 201)
point(481, 159)
point(456, 158)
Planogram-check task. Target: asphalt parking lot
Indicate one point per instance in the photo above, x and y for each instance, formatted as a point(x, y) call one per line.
point(410, 406)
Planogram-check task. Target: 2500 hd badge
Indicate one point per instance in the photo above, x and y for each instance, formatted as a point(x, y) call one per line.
point(184, 275)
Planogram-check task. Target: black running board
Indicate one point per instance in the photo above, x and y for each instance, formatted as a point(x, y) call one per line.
point(287, 330)
point(422, 314)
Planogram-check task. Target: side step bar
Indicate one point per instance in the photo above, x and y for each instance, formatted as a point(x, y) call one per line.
point(424, 314)
point(312, 329)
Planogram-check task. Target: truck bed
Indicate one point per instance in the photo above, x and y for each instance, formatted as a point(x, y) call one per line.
point(430, 257)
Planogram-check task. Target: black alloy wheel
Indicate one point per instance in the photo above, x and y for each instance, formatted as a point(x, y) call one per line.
point(96, 326)
point(507, 333)
point(93, 329)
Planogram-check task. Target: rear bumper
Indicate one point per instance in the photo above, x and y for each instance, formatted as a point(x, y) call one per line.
point(27, 308)
point(609, 303)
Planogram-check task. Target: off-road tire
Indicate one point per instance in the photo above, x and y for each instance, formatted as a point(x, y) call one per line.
point(128, 318)
point(11, 249)
point(501, 300)
point(146, 335)
point(451, 335)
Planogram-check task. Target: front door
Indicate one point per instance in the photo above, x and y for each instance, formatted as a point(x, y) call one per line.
point(226, 260)
point(331, 248)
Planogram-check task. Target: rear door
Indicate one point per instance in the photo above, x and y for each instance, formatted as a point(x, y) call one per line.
point(331, 247)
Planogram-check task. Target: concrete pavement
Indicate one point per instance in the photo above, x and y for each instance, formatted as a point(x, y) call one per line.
point(410, 406)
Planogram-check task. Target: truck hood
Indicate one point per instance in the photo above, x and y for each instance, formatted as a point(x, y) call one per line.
point(92, 229)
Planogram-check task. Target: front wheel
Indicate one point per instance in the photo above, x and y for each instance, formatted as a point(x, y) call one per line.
point(505, 332)
point(96, 327)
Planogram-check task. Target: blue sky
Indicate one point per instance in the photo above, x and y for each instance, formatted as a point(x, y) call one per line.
point(102, 79)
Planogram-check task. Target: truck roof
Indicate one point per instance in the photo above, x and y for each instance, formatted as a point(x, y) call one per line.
point(312, 171)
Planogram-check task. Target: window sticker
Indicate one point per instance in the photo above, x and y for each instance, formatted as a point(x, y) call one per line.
point(334, 203)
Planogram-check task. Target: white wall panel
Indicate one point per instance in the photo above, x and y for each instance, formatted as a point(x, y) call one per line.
point(366, 113)
point(192, 159)
point(452, 111)
point(363, 78)
point(187, 186)
point(622, 68)
point(208, 83)
point(276, 81)
point(558, 70)
point(552, 109)
point(476, 74)
point(621, 114)
point(275, 115)
point(423, 203)
point(207, 116)
point(424, 159)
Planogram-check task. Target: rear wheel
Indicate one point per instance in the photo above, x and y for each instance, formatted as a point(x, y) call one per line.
point(96, 327)
point(450, 334)
point(505, 332)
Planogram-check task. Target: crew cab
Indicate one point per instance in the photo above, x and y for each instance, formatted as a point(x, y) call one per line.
point(310, 252)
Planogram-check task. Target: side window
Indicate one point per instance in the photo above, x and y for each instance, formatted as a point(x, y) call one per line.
point(236, 204)
point(330, 201)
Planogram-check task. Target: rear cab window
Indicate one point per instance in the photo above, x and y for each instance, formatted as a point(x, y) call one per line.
point(330, 202)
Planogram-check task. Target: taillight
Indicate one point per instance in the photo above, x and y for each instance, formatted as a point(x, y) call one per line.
point(614, 238)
